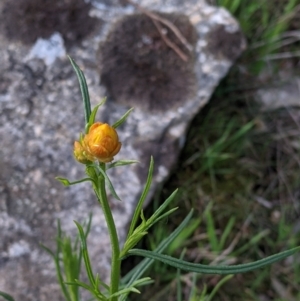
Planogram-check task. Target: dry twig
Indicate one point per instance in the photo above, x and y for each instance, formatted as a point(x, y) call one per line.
point(156, 19)
point(169, 42)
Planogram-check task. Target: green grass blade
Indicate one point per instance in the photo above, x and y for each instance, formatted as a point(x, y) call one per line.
point(211, 230)
point(184, 235)
point(178, 279)
point(217, 287)
point(206, 269)
point(6, 296)
point(84, 91)
point(226, 232)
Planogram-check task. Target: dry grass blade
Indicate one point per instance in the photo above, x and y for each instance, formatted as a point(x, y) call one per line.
point(157, 20)
point(169, 42)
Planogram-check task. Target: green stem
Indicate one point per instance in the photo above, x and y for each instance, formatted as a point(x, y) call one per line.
point(113, 235)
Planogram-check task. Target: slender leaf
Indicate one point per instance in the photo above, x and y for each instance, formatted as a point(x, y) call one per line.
point(161, 208)
point(99, 282)
point(91, 289)
point(70, 263)
point(206, 269)
point(121, 163)
point(178, 279)
point(122, 119)
point(94, 112)
point(67, 183)
point(142, 199)
point(7, 296)
point(140, 269)
point(85, 254)
point(125, 291)
point(84, 91)
point(162, 216)
point(132, 289)
point(58, 269)
point(109, 183)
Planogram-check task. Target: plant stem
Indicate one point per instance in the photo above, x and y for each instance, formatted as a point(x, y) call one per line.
point(113, 235)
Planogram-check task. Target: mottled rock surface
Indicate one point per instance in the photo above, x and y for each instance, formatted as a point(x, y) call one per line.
point(41, 116)
point(285, 93)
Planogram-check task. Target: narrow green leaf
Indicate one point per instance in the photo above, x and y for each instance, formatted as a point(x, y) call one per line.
point(140, 269)
point(48, 250)
point(70, 263)
point(94, 112)
point(87, 226)
point(132, 241)
point(142, 281)
point(67, 183)
point(98, 294)
point(178, 279)
point(84, 91)
point(64, 181)
point(79, 283)
point(122, 119)
point(109, 183)
point(58, 238)
point(158, 212)
point(85, 254)
point(206, 269)
point(163, 216)
point(121, 163)
point(58, 269)
point(142, 199)
point(7, 296)
point(94, 291)
point(99, 282)
point(125, 291)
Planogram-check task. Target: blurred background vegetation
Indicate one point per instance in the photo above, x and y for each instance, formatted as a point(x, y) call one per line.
point(239, 170)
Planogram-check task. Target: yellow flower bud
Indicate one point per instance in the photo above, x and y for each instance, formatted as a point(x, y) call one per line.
point(80, 153)
point(101, 142)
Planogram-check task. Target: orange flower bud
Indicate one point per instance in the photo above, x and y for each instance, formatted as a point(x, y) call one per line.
point(101, 142)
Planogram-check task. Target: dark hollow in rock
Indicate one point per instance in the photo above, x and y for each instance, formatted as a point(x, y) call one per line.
point(27, 20)
point(139, 69)
point(224, 44)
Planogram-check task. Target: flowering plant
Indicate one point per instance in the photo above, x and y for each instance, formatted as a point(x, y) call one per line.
point(96, 150)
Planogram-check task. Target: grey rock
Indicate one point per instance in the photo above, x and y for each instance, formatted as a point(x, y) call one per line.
point(42, 115)
point(48, 49)
point(285, 93)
